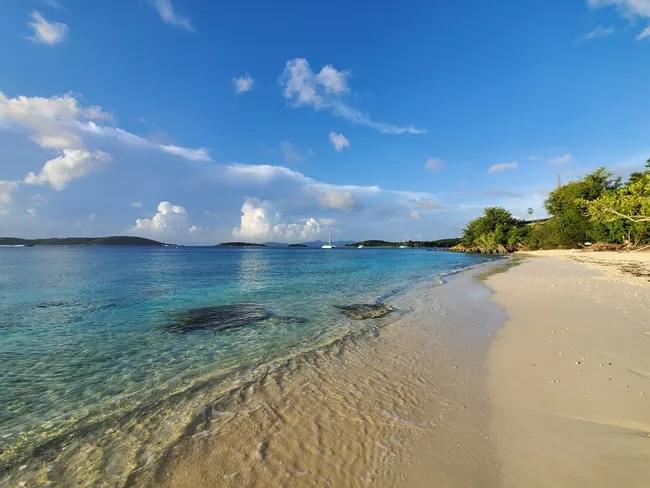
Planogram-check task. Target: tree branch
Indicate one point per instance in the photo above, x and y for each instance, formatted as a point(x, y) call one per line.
point(631, 218)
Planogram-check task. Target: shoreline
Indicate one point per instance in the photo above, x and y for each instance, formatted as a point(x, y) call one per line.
point(391, 410)
point(378, 359)
point(569, 371)
point(441, 393)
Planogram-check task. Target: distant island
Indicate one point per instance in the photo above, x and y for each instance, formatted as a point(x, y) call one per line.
point(298, 245)
point(440, 243)
point(80, 241)
point(240, 244)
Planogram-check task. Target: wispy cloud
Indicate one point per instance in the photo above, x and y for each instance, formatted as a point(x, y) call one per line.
point(290, 153)
point(598, 33)
point(243, 83)
point(561, 159)
point(339, 141)
point(166, 12)
point(644, 34)
point(629, 9)
point(498, 167)
point(434, 164)
point(45, 31)
point(325, 90)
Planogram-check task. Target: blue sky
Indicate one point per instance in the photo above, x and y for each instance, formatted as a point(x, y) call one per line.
point(199, 122)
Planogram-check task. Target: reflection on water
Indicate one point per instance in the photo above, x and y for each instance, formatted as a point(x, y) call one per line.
point(253, 270)
point(92, 383)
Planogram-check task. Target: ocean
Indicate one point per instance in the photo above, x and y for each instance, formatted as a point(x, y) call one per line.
point(109, 353)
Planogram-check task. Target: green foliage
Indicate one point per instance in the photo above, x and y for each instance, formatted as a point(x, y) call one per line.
point(597, 207)
point(623, 213)
point(570, 224)
point(495, 231)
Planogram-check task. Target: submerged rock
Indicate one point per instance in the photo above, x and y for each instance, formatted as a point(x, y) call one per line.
point(217, 318)
point(361, 311)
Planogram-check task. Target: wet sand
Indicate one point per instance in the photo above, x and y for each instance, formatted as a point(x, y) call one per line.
point(405, 406)
point(570, 370)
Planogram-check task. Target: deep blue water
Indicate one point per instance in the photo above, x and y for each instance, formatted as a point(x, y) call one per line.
point(83, 329)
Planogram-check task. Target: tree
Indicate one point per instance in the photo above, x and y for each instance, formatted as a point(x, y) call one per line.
point(570, 224)
point(625, 211)
point(491, 232)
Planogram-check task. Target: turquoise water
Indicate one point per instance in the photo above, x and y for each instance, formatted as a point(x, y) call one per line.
point(85, 340)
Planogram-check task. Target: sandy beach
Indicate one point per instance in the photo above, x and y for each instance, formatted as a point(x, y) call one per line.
point(569, 372)
point(539, 379)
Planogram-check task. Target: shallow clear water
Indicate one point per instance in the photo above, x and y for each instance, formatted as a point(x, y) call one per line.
point(83, 333)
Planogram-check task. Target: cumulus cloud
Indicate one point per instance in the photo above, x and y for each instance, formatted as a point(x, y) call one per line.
point(45, 31)
point(62, 124)
point(562, 159)
point(338, 199)
point(166, 12)
point(434, 164)
point(243, 83)
point(325, 90)
point(339, 141)
point(290, 153)
point(496, 168)
point(259, 221)
point(168, 217)
point(295, 193)
point(6, 190)
point(52, 123)
point(70, 164)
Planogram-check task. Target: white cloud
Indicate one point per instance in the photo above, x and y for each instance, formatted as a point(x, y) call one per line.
point(293, 191)
point(301, 87)
point(62, 124)
point(434, 164)
point(644, 34)
point(333, 80)
point(628, 8)
point(339, 141)
point(135, 204)
point(258, 221)
point(52, 123)
point(598, 33)
point(290, 152)
point(495, 168)
point(69, 165)
point(338, 199)
point(167, 217)
point(639, 8)
point(562, 159)
point(415, 215)
point(243, 83)
point(46, 32)
point(166, 12)
point(6, 190)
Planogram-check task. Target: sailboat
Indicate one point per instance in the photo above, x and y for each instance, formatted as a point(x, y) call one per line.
point(329, 244)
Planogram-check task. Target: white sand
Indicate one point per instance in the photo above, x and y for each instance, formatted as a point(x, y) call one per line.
point(569, 373)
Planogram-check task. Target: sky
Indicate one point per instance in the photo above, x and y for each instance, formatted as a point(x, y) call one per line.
point(200, 122)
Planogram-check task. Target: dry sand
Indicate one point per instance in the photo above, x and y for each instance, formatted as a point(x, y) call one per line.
point(570, 371)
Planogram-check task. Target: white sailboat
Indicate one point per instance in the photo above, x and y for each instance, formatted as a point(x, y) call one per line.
point(329, 244)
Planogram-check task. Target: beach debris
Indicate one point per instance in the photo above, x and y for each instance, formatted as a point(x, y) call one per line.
point(362, 311)
point(221, 317)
